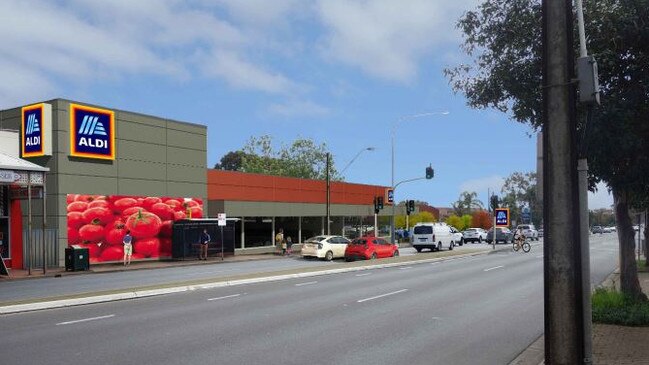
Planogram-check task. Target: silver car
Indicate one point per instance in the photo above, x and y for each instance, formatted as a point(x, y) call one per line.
point(474, 235)
point(529, 231)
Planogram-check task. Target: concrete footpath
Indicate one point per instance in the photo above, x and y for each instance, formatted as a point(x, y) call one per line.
point(612, 345)
point(54, 301)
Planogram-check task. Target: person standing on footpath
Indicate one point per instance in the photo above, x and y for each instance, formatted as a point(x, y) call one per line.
point(128, 248)
point(279, 241)
point(205, 240)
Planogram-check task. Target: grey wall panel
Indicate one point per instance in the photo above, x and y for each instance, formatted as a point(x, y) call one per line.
point(142, 170)
point(187, 190)
point(134, 150)
point(139, 119)
point(187, 157)
point(142, 187)
point(186, 140)
point(78, 184)
point(85, 167)
point(186, 127)
point(190, 174)
point(130, 131)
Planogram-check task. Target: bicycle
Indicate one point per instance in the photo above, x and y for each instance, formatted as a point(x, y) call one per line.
point(517, 245)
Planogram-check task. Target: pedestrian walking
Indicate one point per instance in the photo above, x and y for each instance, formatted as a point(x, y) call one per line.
point(127, 241)
point(289, 243)
point(205, 240)
point(279, 241)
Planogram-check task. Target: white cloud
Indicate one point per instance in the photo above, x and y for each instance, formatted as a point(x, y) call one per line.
point(294, 109)
point(601, 198)
point(387, 38)
point(479, 185)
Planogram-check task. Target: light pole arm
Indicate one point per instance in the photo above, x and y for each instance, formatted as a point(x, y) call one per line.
point(406, 181)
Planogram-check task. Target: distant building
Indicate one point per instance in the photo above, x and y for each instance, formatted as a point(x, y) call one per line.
point(444, 212)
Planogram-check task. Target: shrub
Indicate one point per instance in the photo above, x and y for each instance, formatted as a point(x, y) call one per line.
point(613, 307)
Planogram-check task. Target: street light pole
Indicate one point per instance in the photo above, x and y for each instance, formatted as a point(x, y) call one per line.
point(394, 127)
point(355, 157)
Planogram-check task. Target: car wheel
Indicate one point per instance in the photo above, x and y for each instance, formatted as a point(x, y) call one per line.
point(349, 259)
point(329, 256)
point(439, 246)
point(396, 253)
point(451, 245)
point(373, 257)
point(418, 249)
point(479, 240)
point(461, 241)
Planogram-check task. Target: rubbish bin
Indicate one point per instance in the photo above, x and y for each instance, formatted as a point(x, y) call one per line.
point(76, 258)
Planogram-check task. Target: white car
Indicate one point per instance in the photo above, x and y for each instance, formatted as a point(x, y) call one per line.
point(433, 236)
point(529, 231)
point(458, 237)
point(474, 235)
point(325, 247)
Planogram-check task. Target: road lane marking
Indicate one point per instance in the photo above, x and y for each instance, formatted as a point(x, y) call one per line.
point(382, 295)
point(307, 283)
point(85, 320)
point(493, 268)
point(436, 262)
point(225, 297)
point(539, 256)
point(365, 274)
point(405, 268)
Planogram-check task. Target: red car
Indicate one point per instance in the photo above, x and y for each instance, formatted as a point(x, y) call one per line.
point(369, 248)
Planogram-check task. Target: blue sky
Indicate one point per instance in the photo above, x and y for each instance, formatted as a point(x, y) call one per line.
point(340, 72)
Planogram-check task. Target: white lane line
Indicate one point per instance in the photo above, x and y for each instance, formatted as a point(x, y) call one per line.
point(307, 283)
point(365, 274)
point(436, 262)
point(85, 320)
point(225, 297)
point(405, 268)
point(539, 256)
point(493, 268)
point(381, 296)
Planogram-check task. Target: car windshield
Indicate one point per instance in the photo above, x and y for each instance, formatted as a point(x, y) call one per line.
point(423, 230)
point(359, 242)
point(470, 230)
point(316, 239)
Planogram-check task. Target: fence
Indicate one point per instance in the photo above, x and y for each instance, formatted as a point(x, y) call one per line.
point(52, 255)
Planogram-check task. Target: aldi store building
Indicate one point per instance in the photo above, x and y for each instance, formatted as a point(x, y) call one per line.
point(109, 170)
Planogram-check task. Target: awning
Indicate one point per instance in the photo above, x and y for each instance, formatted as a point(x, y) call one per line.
point(12, 163)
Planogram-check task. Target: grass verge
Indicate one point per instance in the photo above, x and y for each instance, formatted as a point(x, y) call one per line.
point(612, 307)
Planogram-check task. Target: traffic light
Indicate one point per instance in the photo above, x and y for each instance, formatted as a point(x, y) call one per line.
point(494, 202)
point(410, 206)
point(379, 202)
point(430, 173)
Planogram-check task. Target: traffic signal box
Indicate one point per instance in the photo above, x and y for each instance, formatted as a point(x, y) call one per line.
point(410, 206)
point(378, 204)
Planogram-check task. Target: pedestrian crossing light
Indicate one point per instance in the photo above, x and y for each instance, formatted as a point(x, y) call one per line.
point(430, 173)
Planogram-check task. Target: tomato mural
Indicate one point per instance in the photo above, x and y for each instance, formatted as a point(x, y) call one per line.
point(99, 223)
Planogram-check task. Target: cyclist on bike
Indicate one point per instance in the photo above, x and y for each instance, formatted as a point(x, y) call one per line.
point(519, 237)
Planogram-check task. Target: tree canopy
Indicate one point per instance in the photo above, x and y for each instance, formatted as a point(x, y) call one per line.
point(467, 203)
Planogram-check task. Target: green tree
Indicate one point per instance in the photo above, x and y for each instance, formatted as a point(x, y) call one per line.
point(231, 161)
point(303, 158)
point(519, 190)
point(503, 38)
point(455, 221)
point(467, 222)
point(467, 203)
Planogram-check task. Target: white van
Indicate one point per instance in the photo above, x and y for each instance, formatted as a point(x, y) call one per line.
point(433, 236)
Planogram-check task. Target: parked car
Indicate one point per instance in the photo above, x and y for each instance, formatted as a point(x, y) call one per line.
point(541, 232)
point(502, 235)
point(458, 237)
point(529, 231)
point(433, 236)
point(607, 229)
point(369, 248)
point(474, 235)
point(325, 247)
point(597, 229)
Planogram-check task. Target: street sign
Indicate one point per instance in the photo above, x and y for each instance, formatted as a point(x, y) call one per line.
point(526, 217)
point(390, 196)
point(502, 217)
point(221, 219)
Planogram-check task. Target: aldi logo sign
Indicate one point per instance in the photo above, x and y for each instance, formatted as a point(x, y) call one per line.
point(502, 217)
point(35, 119)
point(92, 132)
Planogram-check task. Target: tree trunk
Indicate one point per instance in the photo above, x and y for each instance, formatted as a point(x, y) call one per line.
point(629, 283)
point(646, 242)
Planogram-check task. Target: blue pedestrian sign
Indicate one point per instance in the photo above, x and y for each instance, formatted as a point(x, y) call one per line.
point(390, 194)
point(502, 217)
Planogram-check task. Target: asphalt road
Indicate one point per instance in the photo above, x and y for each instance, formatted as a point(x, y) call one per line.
point(476, 310)
point(92, 282)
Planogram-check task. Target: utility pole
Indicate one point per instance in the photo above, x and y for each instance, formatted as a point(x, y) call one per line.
point(562, 269)
point(328, 196)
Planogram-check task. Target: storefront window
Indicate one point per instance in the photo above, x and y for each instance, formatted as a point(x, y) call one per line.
point(290, 225)
point(237, 233)
point(259, 231)
point(336, 225)
point(311, 226)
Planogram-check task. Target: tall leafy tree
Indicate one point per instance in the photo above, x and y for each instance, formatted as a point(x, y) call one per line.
point(503, 39)
point(231, 161)
point(482, 219)
point(519, 190)
point(466, 203)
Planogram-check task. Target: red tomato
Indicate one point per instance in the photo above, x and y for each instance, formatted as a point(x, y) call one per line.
point(143, 224)
point(99, 204)
point(124, 203)
point(94, 260)
point(165, 246)
point(175, 204)
point(115, 233)
point(73, 235)
point(179, 215)
point(149, 201)
point(112, 253)
point(88, 198)
point(166, 229)
point(163, 211)
point(189, 204)
point(91, 232)
point(71, 197)
point(137, 256)
point(98, 215)
point(130, 211)
point(147, 246)
point(77, 206)
point(198, 200)
point(196, 212)
point(75, 220)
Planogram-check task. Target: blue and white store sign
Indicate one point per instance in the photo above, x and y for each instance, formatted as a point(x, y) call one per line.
point(92, 132)
point(502, 217)
point(36, 130)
